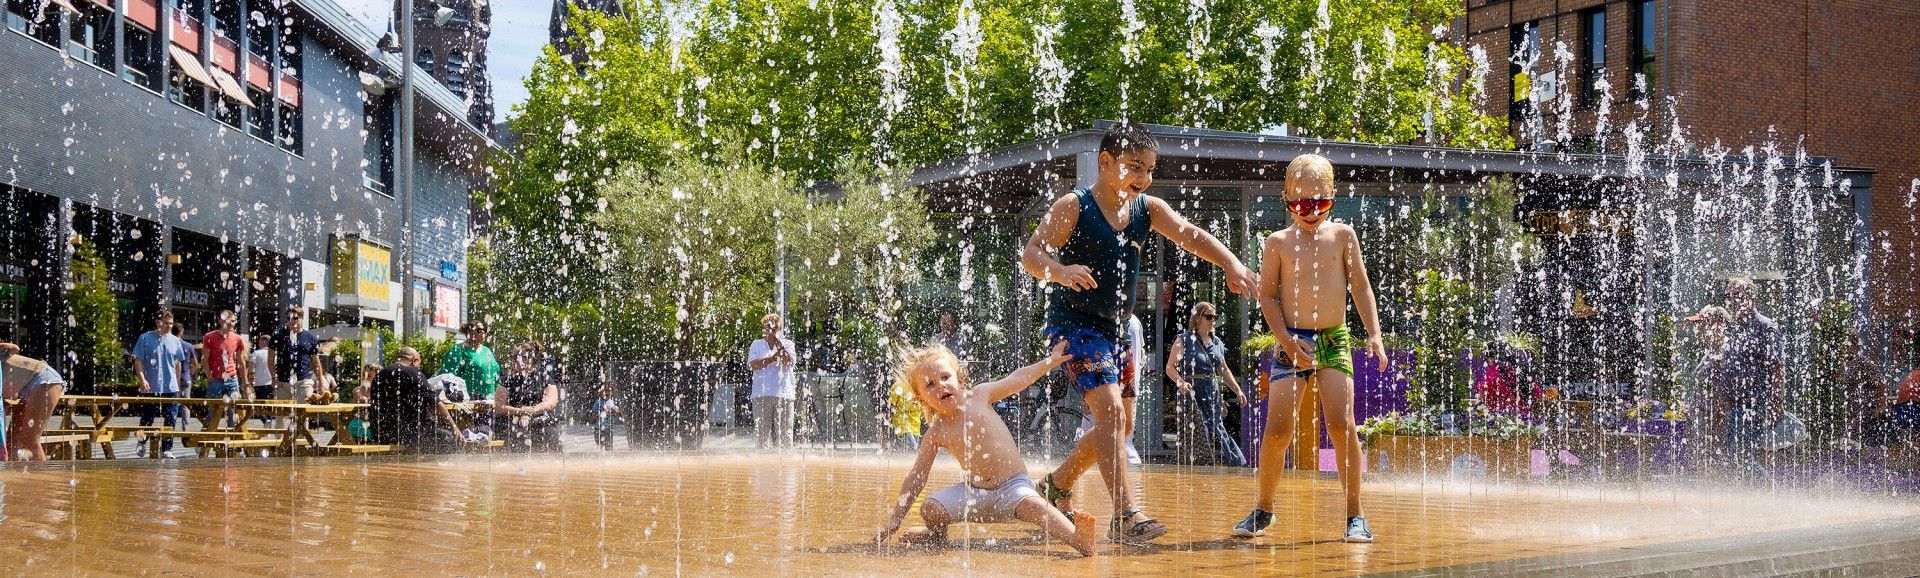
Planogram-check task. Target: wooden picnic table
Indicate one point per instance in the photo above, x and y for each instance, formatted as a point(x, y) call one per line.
point(103, 408)
point(299, 413)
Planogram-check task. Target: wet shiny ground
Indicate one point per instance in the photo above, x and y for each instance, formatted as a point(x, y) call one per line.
point(763, 515)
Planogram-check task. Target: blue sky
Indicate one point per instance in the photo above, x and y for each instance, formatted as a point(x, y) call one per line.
point(519, 32)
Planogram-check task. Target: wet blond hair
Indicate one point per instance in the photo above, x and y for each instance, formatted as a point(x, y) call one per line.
point(1311, 167)
point(905, 396)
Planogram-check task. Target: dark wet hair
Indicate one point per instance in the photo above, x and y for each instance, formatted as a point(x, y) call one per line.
point(1127, 137)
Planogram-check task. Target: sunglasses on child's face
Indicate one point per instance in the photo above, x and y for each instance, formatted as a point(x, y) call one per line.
point(1310, 207)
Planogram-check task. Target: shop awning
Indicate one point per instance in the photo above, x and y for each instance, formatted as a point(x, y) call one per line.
point(226, 84)
point(189, 64)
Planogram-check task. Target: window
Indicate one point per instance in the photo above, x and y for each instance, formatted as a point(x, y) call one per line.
point(226, 18)
point(425, 60)
point(38, 19)
point(183, 90)
point(1646, 48)
point(457, 73)
point(1525, 42)
point(290, 53)
point(189, 7)
point(90, 36)
point(377, 170)
point(1593, 56)
point(228, 111)
point(292, 133)
point(141, 64)
point(260, 28)
point(260, 117)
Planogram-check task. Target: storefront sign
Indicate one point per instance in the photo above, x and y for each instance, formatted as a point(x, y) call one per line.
point(192, 297)
point(450, 270)
point(1579, 222)
point(360, 274)
point(446, 307)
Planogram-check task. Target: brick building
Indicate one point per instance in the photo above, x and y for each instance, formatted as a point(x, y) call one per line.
point(454, 52)
point(1837, 78)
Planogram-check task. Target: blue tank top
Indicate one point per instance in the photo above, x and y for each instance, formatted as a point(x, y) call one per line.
point(1113, 256)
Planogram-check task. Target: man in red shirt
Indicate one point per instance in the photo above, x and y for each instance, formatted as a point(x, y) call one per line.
point(226, 360)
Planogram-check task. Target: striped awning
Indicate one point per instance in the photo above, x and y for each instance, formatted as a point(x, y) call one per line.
point(226, 84)
point(189, 64)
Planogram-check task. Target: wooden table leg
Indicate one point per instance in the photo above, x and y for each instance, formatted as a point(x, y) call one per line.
point(100, 428)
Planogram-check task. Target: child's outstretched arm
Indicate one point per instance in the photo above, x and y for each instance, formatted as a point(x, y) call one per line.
point(1363, 301)
point(909, 490)
point(1054, 231)
point(1025, 376)
point(1202, 244)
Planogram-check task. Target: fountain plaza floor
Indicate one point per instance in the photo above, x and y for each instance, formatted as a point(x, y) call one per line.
point(737, 512)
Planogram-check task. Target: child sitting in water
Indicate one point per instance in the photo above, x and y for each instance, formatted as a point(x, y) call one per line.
point(996, 487)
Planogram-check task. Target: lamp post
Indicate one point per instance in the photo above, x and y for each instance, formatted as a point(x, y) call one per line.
point(403, 171)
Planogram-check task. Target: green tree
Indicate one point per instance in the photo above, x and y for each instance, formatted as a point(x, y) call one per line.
point(857, 252)
point(93, 321)
point(701, 238)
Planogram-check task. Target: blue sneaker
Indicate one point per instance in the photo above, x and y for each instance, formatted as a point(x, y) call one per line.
point(1357, 531)
point(1255, 524)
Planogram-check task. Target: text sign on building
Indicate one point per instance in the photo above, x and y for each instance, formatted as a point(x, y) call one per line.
point(361, 272)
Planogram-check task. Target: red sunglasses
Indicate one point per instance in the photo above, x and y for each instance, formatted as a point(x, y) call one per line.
point(1309, 207)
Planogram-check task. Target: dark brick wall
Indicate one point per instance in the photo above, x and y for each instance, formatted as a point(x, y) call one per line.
point(1843, 74)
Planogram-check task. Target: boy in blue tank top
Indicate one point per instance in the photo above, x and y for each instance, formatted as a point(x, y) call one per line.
point(1088, 250)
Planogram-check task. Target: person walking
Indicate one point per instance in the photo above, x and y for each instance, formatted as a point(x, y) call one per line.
point(1197, 363)
point(295, 358)
point(1753, 375)
point(161, 363)
point(226, 360)
point(772, 361)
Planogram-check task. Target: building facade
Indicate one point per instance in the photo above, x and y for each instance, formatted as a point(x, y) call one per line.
point(1838, 79)
point(219, 155)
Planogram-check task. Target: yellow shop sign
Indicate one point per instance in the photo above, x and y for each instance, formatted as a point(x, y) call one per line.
point(361, 273)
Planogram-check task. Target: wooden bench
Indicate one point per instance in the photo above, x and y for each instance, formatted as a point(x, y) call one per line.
point(191, 439)
point(235, 448)
point(67, 446)
point(353, 449)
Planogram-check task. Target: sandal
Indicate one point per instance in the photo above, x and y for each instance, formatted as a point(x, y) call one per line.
point(1139, 532)
point(1054, 493)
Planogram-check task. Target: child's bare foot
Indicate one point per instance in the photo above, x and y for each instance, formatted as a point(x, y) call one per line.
point(1086, 530)
point(922, 535)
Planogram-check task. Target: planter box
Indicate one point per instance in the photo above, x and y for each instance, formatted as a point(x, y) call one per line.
point(1454, 455)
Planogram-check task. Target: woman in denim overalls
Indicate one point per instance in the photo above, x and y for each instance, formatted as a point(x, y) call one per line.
point(1196, 363)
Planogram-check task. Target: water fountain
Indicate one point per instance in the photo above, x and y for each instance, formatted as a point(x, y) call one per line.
point(860, 168)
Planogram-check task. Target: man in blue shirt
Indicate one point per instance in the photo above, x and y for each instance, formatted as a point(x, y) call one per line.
point(161, 362)
point(295, 358)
